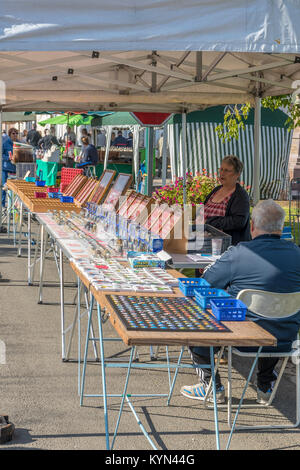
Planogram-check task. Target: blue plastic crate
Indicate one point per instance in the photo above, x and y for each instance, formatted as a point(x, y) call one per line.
point(188, 284)
point(54, 195)
point(228, 309)
point(287, 229)
point(66, 198)
point(30, 179)
point(203, 295)
point(40, 183)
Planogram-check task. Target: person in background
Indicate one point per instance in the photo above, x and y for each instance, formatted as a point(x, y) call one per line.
point(130, 140)
point(89, 154)
point(119, 141)
point(84, 133)
point(69, 140)
point(101, 139)
point(7, 165)
point(112, 138)
point(227, 207)
point(44, 142)
point(69, 136)
point(54, 140)
point(33, 137)
point(47, 141)
point(266, 263)
point(24, 136)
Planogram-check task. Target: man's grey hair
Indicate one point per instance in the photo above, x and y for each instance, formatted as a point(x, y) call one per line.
point(268, 216)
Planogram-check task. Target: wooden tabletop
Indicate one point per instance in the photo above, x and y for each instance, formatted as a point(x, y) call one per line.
point(242, 333)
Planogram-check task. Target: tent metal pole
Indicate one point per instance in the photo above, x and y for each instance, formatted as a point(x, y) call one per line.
point(107, 147)
point(257, 150)
point(183, 116)
point(164, 156)
point(150, 144)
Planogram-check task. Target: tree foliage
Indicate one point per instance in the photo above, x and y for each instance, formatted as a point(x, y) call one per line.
point(236, 116)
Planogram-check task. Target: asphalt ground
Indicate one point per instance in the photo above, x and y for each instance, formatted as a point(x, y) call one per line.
point(39, 391)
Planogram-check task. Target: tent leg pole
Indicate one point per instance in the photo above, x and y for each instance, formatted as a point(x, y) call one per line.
point(150, 161)
point(164, 156)
point(183, 116)
point(257, 149)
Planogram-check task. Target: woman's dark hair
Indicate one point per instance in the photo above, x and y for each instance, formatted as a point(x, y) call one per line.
point(235, 162)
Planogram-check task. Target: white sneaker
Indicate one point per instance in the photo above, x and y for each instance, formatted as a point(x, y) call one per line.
point(198, 392)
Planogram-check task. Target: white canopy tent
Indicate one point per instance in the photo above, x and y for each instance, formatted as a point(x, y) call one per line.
point(147, 55)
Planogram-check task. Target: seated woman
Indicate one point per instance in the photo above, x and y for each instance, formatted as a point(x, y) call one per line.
point(227, 207)
point(89, 154)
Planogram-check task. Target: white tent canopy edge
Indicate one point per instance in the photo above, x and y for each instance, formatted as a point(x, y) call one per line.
point(198, 25)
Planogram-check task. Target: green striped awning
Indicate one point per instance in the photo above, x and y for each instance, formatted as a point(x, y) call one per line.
point(205, 150)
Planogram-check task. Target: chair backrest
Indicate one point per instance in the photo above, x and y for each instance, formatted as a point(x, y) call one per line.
point(270, 304)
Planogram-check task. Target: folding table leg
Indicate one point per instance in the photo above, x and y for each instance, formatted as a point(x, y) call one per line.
point(76, 319)
point(42, 264)
point(242, 397)
point(103, 376)
point(29, 250)
point(212, 365)
point(9, 210)
point(86, 349)
point(35, 254)
point(229, 385)
point(79, 332)
point(62, 302)
point(20, 231)
point(175, 376)
point(124, 395)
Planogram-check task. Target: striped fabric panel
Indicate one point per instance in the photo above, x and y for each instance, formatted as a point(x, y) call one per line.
point(206, 150)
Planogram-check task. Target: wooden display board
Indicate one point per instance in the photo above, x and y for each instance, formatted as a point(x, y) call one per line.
point(172, 220)
point(168, 223)
point(45, 205)
point(75, 186)
point(140, 208)
point(15, 185)
point(129, 199)
point(26, 192)
point(102, 187)
point(85, 192)
point(154, 215)
point(120, 186)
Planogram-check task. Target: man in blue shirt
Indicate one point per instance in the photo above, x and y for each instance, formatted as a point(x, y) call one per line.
point(119, 141)
point(266, 263)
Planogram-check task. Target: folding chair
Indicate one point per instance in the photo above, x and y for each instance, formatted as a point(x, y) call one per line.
point(90, 171)
point(272, 305)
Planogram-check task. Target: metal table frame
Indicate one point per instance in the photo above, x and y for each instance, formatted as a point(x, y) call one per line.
point(130, 365)
point(62, 251)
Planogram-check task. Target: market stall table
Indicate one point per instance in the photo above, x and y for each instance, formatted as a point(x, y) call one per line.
point(240, 334)
point(24, 192)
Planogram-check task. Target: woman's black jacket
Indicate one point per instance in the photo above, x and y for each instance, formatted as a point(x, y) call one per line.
point(236, 221)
